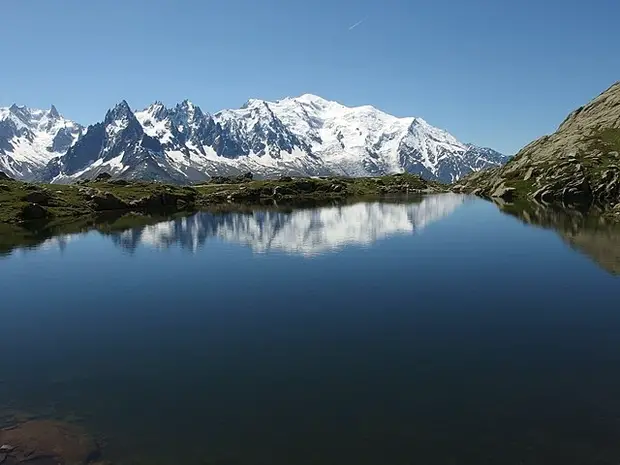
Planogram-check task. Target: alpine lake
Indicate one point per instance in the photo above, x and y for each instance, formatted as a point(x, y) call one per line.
point(436, 330)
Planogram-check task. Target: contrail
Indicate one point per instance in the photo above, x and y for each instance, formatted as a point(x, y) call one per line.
point(357, 24)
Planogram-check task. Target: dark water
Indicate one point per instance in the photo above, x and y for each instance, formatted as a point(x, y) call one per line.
point(435, 332)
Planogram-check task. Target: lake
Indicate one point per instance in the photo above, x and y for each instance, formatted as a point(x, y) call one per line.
point(440, 330)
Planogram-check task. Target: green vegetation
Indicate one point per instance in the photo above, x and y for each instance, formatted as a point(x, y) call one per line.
point(31, 213)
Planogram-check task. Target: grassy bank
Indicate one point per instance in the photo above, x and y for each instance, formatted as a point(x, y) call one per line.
point(22, 202)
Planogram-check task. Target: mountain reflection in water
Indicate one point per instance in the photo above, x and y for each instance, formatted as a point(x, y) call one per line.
point(305, 232)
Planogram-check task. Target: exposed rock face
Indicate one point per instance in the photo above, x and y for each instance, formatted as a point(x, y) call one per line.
point(5, 177)
point(108, 201)
point(578, 164)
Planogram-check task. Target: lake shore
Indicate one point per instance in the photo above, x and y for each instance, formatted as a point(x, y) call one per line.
point(22, 202)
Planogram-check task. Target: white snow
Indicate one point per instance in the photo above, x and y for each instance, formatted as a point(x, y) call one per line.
point(351, 141)
point(33, 147)
point(305, 232)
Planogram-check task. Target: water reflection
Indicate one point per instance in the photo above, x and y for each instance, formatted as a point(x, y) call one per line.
point(305, 232)
point(585, 232)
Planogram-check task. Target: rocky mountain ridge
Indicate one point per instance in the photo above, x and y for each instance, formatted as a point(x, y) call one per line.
point(301, 136)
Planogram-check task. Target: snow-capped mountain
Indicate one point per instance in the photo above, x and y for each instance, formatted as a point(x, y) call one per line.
point(301, 232)
point(30, 138)
point(302, 136)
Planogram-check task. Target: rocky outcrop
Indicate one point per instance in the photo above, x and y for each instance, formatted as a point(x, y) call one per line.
point(42, 197)
point(103, 177)
point(108, 201)
point(33, 211)
point(5, 177)
point(577, 165)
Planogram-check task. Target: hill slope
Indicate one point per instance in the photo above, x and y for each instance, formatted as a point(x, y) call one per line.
point(578, 164)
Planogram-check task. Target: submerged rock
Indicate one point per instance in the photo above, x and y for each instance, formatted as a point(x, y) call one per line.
point(46, 442)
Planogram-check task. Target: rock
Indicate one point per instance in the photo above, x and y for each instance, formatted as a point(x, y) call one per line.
point(247, 177)
point(103, 177)
point(44, 442)
point(119, 182)
point(578, 164)
point(87, 191)
point(5, 177)
point(138, 203)
point(5, 448)
point(41, 197)
point(337, 187)
point(108, 201)
point(4, 188)
point(504, 193)
point(285, 179)
point(33, 211)
point(168, 200)
point(304, 186)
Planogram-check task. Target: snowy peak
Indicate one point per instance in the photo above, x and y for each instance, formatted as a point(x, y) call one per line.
point(300, 136)
point(53, 113)
point(121, 112)
point(30, 138)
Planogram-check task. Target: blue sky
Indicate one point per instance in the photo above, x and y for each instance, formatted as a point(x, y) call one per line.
point(493, 72)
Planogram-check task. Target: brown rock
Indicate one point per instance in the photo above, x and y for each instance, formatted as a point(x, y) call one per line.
point(108, 201)
point(45, 442)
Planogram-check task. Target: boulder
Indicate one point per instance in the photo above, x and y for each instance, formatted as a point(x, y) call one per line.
point(4, 188)
point(304, 185)
point(285, 179)
point(166, 200)
point(102, 177)
point(41, 197)
point(119, 182)
point(504, 193)
point(33, 211)
point(108, 201)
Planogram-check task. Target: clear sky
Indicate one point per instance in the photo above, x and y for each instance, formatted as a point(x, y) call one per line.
point(494, 72)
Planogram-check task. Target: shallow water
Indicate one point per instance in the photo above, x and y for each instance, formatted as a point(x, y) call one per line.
point(440, 331)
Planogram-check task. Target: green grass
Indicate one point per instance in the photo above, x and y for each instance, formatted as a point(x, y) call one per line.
point(66, 202)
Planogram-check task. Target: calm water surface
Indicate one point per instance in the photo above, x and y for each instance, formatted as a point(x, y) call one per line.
point(441, 331)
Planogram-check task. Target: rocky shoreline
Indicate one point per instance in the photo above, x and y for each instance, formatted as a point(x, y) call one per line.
point(22, 203)
point(578, 166)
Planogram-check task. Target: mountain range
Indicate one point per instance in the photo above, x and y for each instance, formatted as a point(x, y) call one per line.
point(302, 136)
